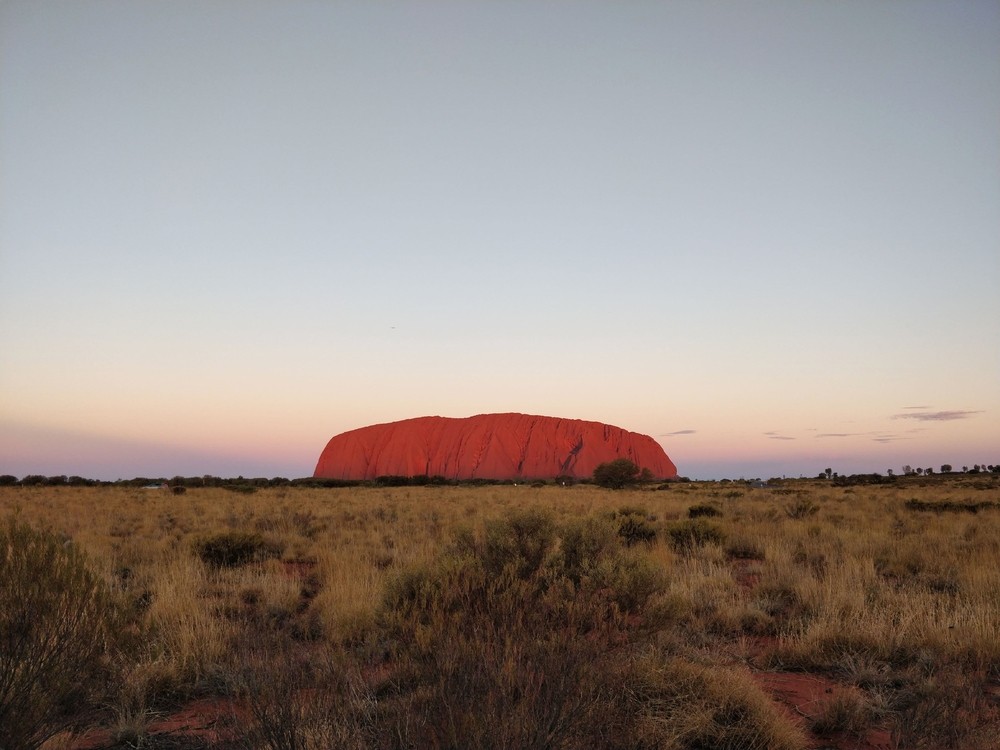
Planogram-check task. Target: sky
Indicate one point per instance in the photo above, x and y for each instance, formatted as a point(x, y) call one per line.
point(765, 233)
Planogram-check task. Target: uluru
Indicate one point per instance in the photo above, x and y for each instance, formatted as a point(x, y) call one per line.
point(487, 446)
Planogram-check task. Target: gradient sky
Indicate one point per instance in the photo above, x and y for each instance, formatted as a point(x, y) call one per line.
point(765, 233)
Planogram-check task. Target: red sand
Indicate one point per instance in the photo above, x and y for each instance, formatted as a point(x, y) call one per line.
point(804, 697)
point(487, 446)
point(203, 722)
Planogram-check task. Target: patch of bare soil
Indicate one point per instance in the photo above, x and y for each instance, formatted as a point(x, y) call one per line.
point(746, 573)
point(804, 698)
point(202, 723)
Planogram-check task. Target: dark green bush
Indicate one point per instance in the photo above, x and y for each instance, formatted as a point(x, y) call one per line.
point(616, 474)
point(243, 489)
point(231, 549)
point(694, 532)
point(634, 530)
point(942, 506)
point(633, 524)
point(520, 540)
point(59, 626)
point(703, 510)
point(583, 545)
point(743, 548)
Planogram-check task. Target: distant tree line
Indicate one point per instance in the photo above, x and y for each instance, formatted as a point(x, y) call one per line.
point(613, 474)
point(252, 483)
point(909, 471)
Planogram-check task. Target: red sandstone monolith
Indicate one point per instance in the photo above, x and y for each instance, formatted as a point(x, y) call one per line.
point(487, 446)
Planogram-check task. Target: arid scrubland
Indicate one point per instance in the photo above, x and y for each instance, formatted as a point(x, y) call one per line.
point(535, 617)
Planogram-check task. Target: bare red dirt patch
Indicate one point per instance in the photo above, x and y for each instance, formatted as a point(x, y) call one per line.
point(804, 696)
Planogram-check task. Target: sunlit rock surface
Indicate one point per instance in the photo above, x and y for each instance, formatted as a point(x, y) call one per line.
point(487, 446)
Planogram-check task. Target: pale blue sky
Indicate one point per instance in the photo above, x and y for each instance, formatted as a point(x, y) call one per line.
point(231, 230)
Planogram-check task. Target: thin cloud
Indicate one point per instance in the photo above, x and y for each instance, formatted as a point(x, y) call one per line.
point(916, 407)
point(888, 439)
point(837, 434)
point(679, 432)
point(779, 437)
point(938, 416)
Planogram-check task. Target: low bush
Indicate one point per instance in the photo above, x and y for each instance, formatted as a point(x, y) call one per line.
point(507, 640)
point(847, 712)
point(292, 701)
point(801, 508)
point(634, 526)
point(695, 532)
point(231, 549)
point(947, 709)
point(945, 506)
point(59, 627)
point(704, 510)
point(744, 548)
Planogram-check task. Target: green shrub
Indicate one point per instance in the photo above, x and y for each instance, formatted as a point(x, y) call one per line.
point(634, 525)
point(744, 548)
point(695, 532)
point(634, 530)
point(58, 630)
point(231, 549)
point(616, 474)
point(703, 510)
point(583, 545)
point(521, 540)
point(243, 489)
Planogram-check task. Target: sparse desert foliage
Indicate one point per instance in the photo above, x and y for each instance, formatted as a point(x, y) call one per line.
point(57, 628)
point(502, 616)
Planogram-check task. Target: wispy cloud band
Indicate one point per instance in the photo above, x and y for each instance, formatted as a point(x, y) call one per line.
point(938, 416)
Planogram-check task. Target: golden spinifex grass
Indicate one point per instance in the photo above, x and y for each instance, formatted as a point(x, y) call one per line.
point(893, 590)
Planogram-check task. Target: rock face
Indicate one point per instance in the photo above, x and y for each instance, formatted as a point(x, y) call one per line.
point(487, 446)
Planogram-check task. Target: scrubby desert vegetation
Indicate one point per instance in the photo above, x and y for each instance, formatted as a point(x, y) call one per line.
point(685, 615)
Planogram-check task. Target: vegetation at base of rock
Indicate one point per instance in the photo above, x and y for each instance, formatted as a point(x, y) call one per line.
point(617, 474)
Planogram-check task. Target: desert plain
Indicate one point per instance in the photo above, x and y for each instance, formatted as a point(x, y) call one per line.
point(820, 613)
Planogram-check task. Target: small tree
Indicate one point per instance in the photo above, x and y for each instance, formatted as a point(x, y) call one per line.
point(945, 468)
point(616, 474)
